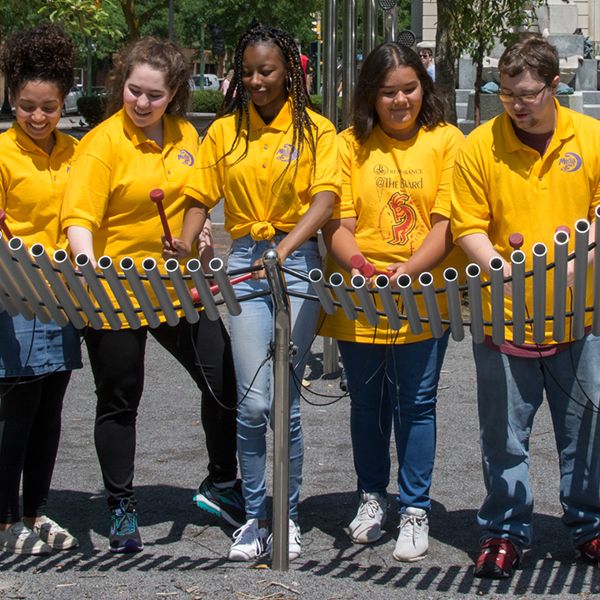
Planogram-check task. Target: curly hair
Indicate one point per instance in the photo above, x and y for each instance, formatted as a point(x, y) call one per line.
point(383, 59)
point(162, 55)
point(42, 53)
point(236, 100)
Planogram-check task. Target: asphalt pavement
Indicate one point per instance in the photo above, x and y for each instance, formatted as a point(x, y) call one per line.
point(185, 549)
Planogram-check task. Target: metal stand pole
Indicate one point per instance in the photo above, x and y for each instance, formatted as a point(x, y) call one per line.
point(281, 412)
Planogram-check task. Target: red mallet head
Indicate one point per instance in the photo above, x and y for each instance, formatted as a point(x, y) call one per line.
point(515, 240)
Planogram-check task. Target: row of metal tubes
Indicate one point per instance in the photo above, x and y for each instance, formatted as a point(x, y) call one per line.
point(26, 292)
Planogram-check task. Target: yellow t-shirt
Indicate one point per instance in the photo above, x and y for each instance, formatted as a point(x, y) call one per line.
point(32, 186)
point(501, 186)
point(259, 196)
point(116, 166)
point(392, 188)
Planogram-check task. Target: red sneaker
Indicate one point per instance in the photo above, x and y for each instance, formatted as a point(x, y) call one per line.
point(590, 549)
point(498, 558)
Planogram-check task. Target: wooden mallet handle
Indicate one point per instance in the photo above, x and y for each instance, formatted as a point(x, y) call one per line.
point(157, 196)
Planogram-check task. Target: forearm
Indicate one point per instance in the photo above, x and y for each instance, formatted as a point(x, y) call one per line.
point(193, 223)
point(479, 249)
point(81, 241)
point(341, 243)
point(316, 216)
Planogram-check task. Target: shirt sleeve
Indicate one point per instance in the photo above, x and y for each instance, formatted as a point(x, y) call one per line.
point(88, 187)
point(347, 208)
point(453, 138)
point(470, 209)
point(327, 175)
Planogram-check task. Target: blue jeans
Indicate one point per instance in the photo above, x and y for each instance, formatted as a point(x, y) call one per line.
point(394, 383)
point(509, 391)
point(251, 334)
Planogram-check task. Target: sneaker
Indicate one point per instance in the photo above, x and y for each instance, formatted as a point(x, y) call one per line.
point(294, 541)
point(21, 540)
point(366, 526)
point(124, 533)
point(590, 550)
point(227, 503)
point(57, 537)
point(413, 539)
point(498, 558)
point(249, 542)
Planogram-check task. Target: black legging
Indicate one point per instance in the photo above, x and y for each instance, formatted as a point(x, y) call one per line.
point(30, 417)
point(117, 361)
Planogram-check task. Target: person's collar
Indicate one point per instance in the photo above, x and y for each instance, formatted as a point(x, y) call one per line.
point(28, 145)
point(170, 131)
point(281, 122)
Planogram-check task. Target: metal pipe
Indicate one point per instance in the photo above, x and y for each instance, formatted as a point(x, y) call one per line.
point(160, 291)
point(561, 252)
point(57, 285)
point(431, 305)
point(330, 61)
point(497, 283)
point(281, 411)
point(336, 281)
point(61, 260)
point(217, 267)
point(369, 27)
point(348, 59)
point(139, 291)
point(539, 292)
point(13, 299)
point(404, 282)
point(582, 229)
point(359, 283)
point(104, 302)
point(517, 259)
point(182, 290)
point(317, 281)
point(457, 329)
point(596, 318)
point(36, 284)
point(208, 302)
point(382, 284)
point(122, 299)
point(475, 302)
point(19, 287)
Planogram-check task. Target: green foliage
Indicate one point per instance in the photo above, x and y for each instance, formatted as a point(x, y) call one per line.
point(92, 109)
point(206, 101)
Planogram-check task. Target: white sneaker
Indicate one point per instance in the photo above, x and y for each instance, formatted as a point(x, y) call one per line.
point(413, 539)
point(57, 537)
point(366, 526)
point(294, 541)
point(21, 540)
point(249, 541)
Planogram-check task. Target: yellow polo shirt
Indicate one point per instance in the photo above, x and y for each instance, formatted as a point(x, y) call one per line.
point(32, 186)
point(501, 186)
point(392, 188)
point(116, 166)
point(259, 196)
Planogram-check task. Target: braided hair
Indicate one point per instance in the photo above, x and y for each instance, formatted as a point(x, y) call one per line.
point(236, 99)
point(42, 53)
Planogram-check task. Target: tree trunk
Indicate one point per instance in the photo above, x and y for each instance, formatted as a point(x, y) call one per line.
point(445, 59)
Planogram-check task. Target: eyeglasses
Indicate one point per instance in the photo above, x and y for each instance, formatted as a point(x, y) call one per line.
point(524, 98)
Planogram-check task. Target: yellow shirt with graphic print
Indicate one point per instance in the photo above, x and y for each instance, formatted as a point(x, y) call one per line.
point(261, 194)
point(32, 186)
point(392, 188)
point(116, 166)
point(501, 186)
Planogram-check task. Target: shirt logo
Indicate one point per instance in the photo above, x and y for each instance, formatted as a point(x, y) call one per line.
point(186, 158)
point(287, 153)
point(570, 162)
point(403, 218)
point(380, 170)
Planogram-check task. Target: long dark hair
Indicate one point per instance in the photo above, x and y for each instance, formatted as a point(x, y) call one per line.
point(379, 62)
point(236, 100)
point(162, 55)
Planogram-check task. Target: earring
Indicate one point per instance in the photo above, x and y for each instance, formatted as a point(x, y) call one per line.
point(288, 84)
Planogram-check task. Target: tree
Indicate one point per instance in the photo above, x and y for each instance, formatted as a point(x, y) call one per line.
point(474, 27)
